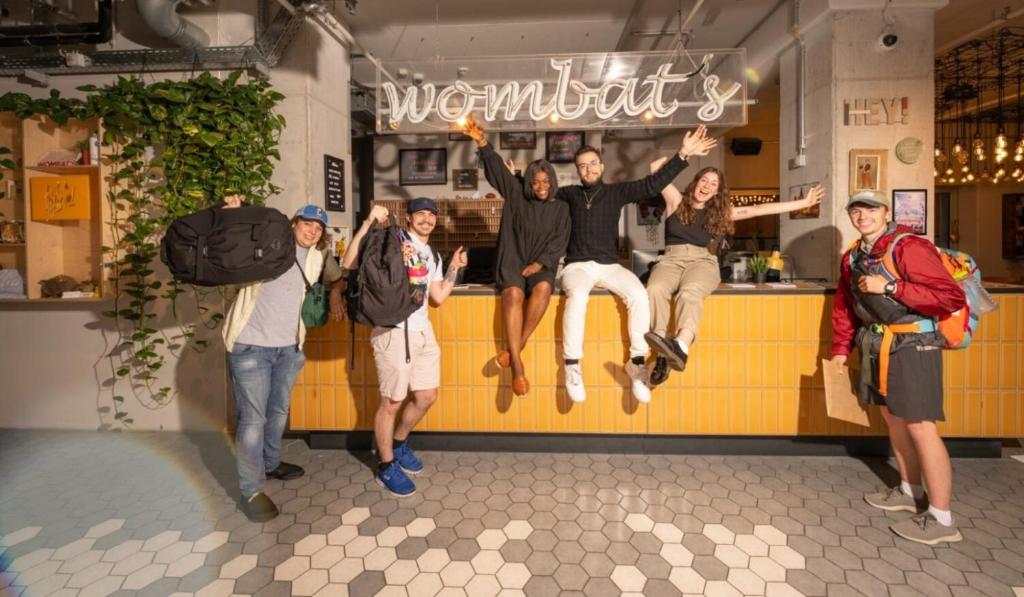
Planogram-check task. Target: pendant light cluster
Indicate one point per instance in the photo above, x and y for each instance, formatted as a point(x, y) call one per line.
point(977, 98)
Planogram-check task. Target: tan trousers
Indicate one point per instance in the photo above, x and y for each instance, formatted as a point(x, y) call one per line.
point(688, 274)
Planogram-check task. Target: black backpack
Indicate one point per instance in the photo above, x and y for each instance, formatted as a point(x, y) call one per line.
point(219, 246)
point(378, 291)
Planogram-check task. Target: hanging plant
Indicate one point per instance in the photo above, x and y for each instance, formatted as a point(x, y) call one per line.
point(174, 147)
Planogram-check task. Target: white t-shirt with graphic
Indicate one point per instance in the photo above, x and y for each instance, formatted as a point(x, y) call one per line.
point(423, 271)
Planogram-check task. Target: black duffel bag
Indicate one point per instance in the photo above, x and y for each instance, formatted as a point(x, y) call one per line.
point(218, 246)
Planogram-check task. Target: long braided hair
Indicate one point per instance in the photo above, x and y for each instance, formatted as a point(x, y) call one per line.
point(718, 221)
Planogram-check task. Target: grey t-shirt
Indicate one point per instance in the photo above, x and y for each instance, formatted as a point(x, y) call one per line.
point(275, 319)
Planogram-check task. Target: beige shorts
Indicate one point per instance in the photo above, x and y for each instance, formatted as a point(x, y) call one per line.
point(397, 377)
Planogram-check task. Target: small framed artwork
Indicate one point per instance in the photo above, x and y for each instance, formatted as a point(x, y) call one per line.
point(459, 137)
point(561, 147)
point(797, 192)
point(464, 179)
point(518, 140)
point(867, 170)
point(910, 208)
point(422, 166)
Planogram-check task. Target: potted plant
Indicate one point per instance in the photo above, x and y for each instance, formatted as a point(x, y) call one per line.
point(759, 266)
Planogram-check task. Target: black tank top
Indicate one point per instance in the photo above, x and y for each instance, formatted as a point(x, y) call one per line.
point(677, 233)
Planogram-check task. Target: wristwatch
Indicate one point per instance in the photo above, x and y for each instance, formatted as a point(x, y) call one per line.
point(890, 288)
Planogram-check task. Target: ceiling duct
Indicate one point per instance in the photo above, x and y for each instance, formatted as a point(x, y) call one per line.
point(98, 32)
point(162, 17)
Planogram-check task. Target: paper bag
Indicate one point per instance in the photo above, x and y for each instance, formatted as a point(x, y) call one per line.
point(840, 400)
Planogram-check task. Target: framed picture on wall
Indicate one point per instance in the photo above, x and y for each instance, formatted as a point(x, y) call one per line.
point(464, 179)
point(1013, 226)
point(910, 208)
point(422, 166)
point(797, 192)
point(867, 170)
point(561, 147)
point(518, 140)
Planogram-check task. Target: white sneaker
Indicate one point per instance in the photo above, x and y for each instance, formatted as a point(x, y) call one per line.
point(638, 373)
point(574, 383)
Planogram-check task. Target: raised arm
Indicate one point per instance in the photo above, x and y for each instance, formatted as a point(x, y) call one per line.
point(350, 260)
point(694, 143)
point(495, 171)
point(766, 209)
point(673, 197)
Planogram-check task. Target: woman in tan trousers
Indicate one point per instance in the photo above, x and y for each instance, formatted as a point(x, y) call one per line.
point(696, 221)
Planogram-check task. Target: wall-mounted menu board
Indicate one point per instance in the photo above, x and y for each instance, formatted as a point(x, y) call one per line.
point(423, 166)
point(334, 183)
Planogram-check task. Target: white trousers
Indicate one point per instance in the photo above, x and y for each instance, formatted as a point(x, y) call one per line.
point(577, 281)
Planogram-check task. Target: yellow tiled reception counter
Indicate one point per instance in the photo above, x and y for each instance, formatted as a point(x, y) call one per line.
point(753, 371)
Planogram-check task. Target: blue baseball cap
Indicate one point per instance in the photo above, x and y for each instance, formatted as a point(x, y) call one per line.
point(421, 203)
point(314, 213)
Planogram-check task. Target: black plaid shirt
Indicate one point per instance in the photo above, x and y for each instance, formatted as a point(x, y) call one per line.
point(595, 230)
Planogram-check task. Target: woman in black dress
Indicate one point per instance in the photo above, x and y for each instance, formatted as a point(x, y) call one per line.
point(532, 239)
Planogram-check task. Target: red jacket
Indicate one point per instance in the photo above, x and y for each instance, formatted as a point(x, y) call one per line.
point(925, 287)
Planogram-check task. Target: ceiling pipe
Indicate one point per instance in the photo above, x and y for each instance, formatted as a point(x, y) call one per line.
point(162, 17)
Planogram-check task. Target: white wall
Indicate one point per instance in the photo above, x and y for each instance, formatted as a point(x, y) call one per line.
point(53, 363)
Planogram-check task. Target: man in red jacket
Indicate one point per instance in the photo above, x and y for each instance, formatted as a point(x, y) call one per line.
point(906, 380)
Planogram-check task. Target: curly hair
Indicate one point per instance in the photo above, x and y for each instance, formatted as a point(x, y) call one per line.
point(536, 166)
point(719, 210)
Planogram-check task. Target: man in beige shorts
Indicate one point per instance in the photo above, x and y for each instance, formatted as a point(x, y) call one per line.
point(420, 373)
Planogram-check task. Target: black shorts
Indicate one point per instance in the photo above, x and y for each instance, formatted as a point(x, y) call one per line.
point(528, 284)
point(915, 384)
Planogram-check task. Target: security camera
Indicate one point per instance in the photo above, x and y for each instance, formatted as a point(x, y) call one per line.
point(887, 41)
point(417, 78)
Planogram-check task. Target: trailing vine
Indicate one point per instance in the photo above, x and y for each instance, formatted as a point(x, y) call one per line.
point(174, 147)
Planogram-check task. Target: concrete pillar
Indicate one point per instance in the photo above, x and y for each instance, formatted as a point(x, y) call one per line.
point(844, 62)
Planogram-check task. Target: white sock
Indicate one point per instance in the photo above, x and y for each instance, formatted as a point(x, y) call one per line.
point(945, 517)
point(683, 345)
point(916, 491)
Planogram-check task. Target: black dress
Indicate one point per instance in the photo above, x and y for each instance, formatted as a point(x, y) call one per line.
point(531, 230)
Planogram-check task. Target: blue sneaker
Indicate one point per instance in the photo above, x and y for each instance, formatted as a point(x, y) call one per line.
point(407, 460)
point(394, 479)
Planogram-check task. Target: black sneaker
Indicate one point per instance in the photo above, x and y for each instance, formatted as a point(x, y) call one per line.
point(668, 348)
point(259, 508)
point(286, 472)
point(660, 372)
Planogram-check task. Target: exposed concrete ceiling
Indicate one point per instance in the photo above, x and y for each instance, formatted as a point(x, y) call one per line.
point(425, 29)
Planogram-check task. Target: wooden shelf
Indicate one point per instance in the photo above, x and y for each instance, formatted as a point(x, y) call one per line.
point(79, 169)
point(92, 299)
point(12, 245)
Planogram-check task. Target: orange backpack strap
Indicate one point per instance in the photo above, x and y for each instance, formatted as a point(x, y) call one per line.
point(888, 263)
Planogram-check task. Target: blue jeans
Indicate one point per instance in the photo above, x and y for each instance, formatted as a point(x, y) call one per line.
point(262, 379)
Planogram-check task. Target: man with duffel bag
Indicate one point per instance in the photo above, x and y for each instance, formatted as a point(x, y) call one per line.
point(263, 333)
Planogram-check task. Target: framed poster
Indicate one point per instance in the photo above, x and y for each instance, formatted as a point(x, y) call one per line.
point(561, 147)
point(334, 183)
point(867, 170)
point(518, 140)
point(1013, 226)
point(464, 179)
point(422, 166)
point(910, 208)
point(797, 192)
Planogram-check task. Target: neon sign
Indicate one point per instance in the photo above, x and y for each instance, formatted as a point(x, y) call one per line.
point(626, 90)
